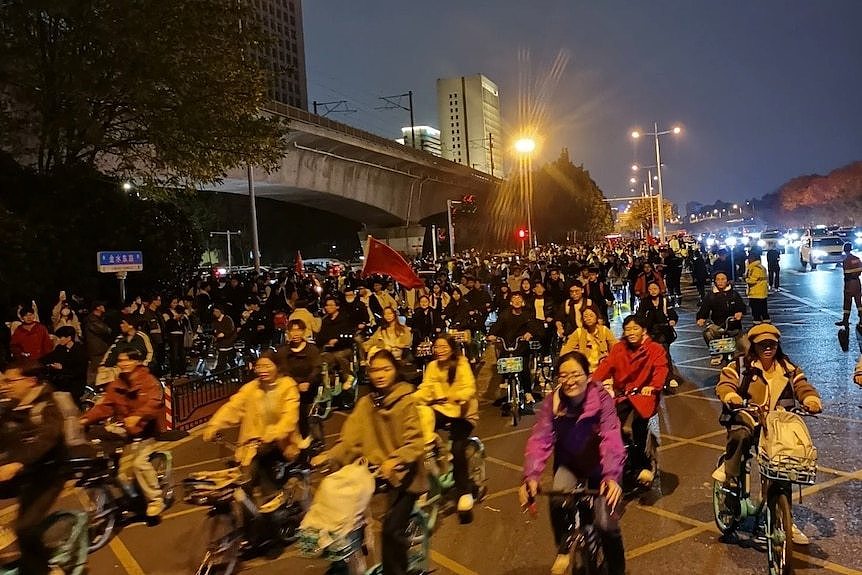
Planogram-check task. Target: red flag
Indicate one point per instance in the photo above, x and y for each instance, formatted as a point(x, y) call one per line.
point(297, 264)
point(651, 241)
point(381, 259)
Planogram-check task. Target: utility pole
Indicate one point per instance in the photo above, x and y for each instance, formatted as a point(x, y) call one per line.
point(449, 204)
point(227, 234)
point(394, 102)
point(255, 246)
point(491, 151)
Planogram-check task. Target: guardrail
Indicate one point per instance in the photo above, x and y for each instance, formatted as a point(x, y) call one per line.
point(191, 401)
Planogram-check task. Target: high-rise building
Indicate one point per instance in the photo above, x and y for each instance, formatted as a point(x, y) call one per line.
point(471, 127)
point(285, 56)
point(426, 137)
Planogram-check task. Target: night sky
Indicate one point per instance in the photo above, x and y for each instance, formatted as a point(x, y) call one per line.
point(765, 90)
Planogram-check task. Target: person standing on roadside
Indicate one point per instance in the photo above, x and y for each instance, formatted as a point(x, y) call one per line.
point(773, 267)
point(852, 288)
point(758, 288)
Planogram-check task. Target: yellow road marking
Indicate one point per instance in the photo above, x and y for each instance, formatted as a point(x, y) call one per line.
point(451, 564)
point(664, 542)
point(835, 567)
point(174, 515)
point(671, 515)
point(504, 463)
point(507, 434)
point(124, 556)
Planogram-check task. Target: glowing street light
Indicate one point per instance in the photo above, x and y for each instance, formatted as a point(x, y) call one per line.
point(656, 133)
point(127, 186)
point(525, 146)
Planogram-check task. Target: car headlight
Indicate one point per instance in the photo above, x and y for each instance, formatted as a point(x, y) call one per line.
point(782, 242)
point(731, 241)
point(819, 253)
point(761, 243)
point(710, 241)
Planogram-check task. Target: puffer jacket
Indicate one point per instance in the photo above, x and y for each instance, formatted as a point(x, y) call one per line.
point(585, 441)
point(755, 277)
point(391, 431)
point(792, 384)
point(460, 395)
point(718, 305)
point(136, 393)
point(269, 415)
point(634, 369)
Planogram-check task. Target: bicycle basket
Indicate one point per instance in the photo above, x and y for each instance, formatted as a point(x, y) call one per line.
point(788, 468)
point(510, 365)
point(722, 346)
point(423, 349)
point(316, 543)
point(459, 336)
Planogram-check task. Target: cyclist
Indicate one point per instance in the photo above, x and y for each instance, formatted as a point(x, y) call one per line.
point(511, 324)
point(592, 339)
point(425, 324)
point(32, 452)
point(579, 426)
point(392, 335)
point(768, 379)
point(569, 315)
point(719, 306)
point(137, 399)
point(660, 321)
point(336, 337)
point(384, 428)
point(266, 409)
point(130, 338)
point(302, 362)
point(638, 367)
point(449, 386)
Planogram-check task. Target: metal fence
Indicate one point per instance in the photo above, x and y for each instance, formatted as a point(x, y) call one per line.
point(192, 401)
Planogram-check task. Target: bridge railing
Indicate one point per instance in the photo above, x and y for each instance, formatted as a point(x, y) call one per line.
point(191, 401)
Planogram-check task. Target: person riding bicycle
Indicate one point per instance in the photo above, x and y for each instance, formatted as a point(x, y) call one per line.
point(722, 306)
point(769, 380)
point(425, 324)
point(638, 367)
point(569, 314)
point(136, 398)
point(266, 409)
point(449, 387)
point(578, 424)
point(513, 323)
point(593, 339)
point(660, 320)
point(385, 429)
point(336, 340)
point(302, 362)
point(32, 453)
point(392, 335)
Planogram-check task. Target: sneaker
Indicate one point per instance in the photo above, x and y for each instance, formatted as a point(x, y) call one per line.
point(715, 361)
point(561, 564)
point(155, 507)
point(465, 503)
point(673, 384)
point(273, 503)
point(799, 538)
point(645, 477)
point(719, 474)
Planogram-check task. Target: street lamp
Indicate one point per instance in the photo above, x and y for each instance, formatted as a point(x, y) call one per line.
point(525, 146)
point(656, 133)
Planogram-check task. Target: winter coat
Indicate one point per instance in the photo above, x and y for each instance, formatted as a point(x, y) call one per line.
point(269, 415)
point(135, 393)
point(97, 336)
point(657, 318)
point(460, 394)
point(31, 433)
point(755, 277)
point(391, 431)
point(719, 305)
point(586, 441)
point(138, 342)
point(32, 343)
point(595, 346)
point(634, 369)
point(304, 365)
point(224, 325)
point(792, 384)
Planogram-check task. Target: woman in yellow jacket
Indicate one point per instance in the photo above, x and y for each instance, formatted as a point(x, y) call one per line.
point(449, 387)
point(758, 288)
point(267, 409)
point(592, 339)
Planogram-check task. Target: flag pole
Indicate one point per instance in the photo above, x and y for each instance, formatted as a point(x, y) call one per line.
point(365, 254)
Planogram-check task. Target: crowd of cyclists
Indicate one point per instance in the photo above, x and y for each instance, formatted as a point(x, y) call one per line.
point(419, 347)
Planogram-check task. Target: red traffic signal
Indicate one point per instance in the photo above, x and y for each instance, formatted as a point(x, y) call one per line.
point(522, 233)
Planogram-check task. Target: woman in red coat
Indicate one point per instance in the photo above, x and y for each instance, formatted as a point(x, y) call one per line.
point(638, 367)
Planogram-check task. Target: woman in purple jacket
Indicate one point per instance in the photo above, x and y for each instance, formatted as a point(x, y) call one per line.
point(578, 424)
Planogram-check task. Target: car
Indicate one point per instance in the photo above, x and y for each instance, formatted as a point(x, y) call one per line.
point(772, 239)
point(821, 250)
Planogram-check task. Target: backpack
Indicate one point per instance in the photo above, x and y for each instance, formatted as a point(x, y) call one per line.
point(784, 434)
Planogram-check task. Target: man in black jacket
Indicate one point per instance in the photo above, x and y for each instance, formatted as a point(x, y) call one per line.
point(513, 323)
point(32, 454)
point(97, 339)
point(68, 363)
point(724, 308)
point(336, 339)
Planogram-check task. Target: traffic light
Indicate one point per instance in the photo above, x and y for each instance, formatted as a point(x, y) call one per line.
point(522, 233)
point(468, 204)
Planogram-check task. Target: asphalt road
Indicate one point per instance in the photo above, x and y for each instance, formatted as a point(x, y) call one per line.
point(671, 531)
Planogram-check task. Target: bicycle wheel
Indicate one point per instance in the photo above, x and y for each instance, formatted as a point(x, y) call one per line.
point(418, 539)
point(102, 514)
point(725, 506)
point(224, 538)
point(515, 400)
point(297, 497)
point(475, 453)
point(779, 540)
point(588, 556)
point(164, 475)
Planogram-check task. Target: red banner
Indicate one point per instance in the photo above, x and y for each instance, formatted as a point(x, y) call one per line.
point(297, 264)
point(381, 259)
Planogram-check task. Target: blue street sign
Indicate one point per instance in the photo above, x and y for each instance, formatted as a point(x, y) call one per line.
point(120, 261)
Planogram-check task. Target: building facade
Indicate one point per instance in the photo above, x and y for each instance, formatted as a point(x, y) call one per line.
point(426, 139)
point(285, 56)
point(470, 122)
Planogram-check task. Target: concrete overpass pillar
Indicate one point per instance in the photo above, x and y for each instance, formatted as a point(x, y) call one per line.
point(405, 239)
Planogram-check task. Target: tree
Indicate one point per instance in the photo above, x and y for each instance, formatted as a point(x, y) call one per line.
point(168, 93)
point(638, 215)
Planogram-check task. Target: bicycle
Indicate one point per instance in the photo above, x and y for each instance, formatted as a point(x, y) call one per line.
point(510, 366)
point(582, 537)
point(724, 347)
point(64, 534)
point(733, 504)
point(239, 525)
point(347, 553)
